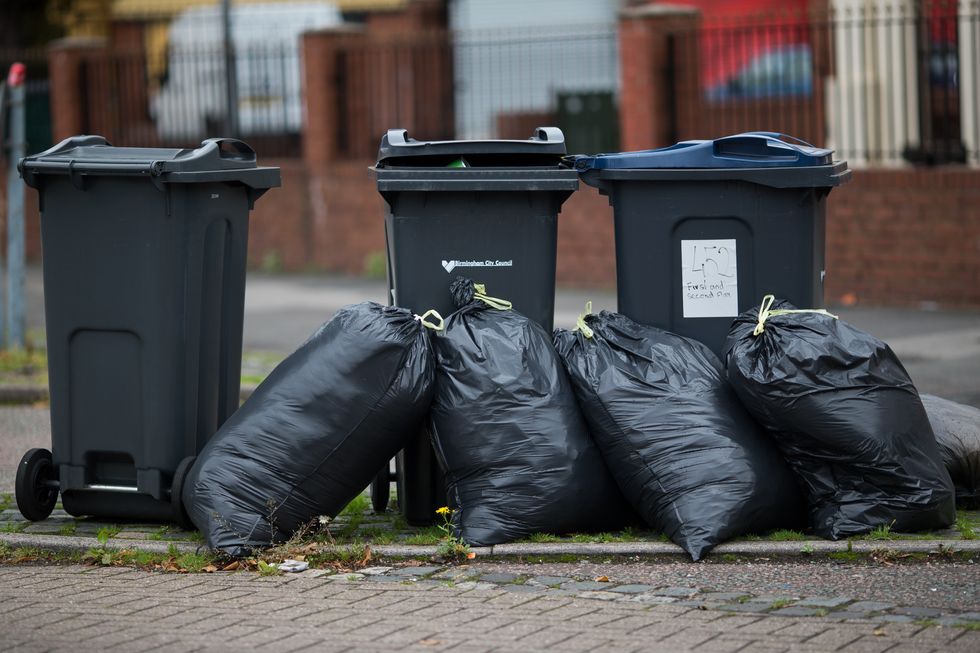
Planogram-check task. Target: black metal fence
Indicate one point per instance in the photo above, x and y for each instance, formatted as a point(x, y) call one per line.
point(884, 82)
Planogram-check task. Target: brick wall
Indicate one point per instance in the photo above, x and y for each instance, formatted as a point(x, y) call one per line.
point(902, 237)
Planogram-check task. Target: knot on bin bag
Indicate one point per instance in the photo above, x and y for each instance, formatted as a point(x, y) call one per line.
point(580, 324)
point(766, 311)
point(431, 325)
point(465, 290)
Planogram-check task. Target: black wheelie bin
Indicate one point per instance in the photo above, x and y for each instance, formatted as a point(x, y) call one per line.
point(704, 229)
point(144, 283)
point(484, 209)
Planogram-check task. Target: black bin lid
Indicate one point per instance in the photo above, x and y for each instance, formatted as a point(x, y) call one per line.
point(545, 147)
point(216, 160)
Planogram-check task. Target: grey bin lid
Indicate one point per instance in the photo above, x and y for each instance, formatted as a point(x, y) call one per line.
point(398, 148)
point(535, 164)
point(216, 160)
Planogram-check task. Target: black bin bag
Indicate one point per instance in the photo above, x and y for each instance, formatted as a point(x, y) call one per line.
point(684, 451)
point(957, 429)
point(846, 416)
point(516, 452)
point(316, 431)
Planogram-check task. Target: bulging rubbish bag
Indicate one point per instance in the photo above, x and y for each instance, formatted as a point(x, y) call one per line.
point(507, 431)
point(846, 416)
point(684, 451)
point(315, 433)
point(957, 429)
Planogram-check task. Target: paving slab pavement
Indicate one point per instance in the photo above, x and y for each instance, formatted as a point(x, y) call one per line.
point(84, 608)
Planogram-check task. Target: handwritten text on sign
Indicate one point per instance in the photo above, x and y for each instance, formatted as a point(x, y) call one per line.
point(709, 278)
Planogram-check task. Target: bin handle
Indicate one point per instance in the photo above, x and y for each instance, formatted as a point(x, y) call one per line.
point(548, 134)
point(779, 136)
point(398, 136)
point(242, 150)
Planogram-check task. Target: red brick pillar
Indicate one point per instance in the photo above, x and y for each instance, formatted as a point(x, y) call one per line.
point(68, 98)
point(660, 99)
point(320, 93)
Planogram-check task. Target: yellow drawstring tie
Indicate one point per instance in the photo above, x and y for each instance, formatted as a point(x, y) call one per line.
point(580, 324)
point(431, 325)
point(493, 302)
point(765, 312)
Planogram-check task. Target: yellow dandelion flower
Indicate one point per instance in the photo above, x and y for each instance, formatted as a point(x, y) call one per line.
point(443, 511)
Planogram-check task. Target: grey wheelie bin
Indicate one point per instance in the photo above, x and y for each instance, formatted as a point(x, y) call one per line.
point(705, 229)
point(484, 209)
point(144, 282)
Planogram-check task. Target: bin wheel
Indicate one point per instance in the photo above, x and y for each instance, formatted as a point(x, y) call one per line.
point(180, 516)
point(381, 490)
point(36, 487)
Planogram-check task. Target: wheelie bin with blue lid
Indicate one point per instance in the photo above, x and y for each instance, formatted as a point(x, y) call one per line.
point(705, 228)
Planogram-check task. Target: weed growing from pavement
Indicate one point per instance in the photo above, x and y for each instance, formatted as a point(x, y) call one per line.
point(13, 527)
point(68, 529)
point(881, 532)
point(6, 501)
point(450, 545)
point(158, 534)
point(966, 529)
point(779, 603)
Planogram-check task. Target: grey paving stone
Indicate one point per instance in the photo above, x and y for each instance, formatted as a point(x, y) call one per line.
point(498, 578)
point(474, 585)
point(414, 571)
point(869, 606)
point(824, 601)
point(550, 581)
point(749, 606)
point(375, 571)
point(585, 586)
point(722, 596)
point(634, 588)
point(133, 535)
point(795, 611)
point(680, 592)
point(896, 618)
point(969, 616)
point(522, 589)
point(921, 613)
point(600, 594)
point(848, 614)
point(948, 621)
point(44, 528)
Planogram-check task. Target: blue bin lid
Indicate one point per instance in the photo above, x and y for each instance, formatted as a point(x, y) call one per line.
point(746, 150)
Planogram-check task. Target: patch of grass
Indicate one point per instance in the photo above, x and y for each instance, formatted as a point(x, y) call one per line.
point(729, 557)
point(158, 534)
point(6, 501)
point(4, 550)
point(428, 536)
point(785, 535)
point(193, 562)
point(926, 622)
point(881, 532)
point(779, 603)
point(965, 527)
point(542, 537)
point(13, 527)
point(19, 365)
point(970, 625)
point(845, 556)
point(354, 512)
point(68, 529)
point(375, 265)
point(106, 533)
point(349, 556)
point(377, 535)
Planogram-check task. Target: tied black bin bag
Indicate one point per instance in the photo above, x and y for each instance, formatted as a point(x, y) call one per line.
point(957, 429)
point(507, 431)
point(846, 416)
point(315, 432)
point(685, 453)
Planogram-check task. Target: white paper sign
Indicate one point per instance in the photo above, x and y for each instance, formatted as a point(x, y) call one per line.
point(709, 278)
